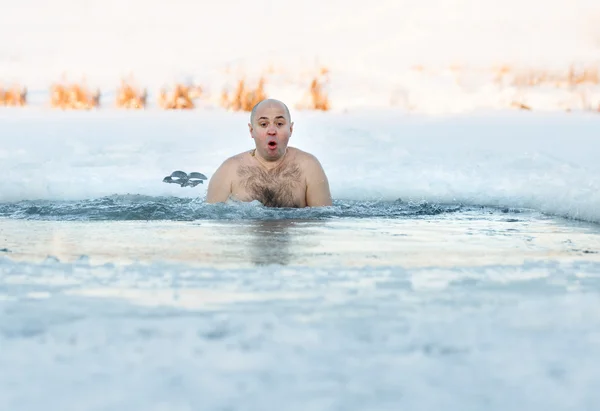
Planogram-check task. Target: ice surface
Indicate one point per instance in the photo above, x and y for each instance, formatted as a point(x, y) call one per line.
point(178, 338)
point(406, 294)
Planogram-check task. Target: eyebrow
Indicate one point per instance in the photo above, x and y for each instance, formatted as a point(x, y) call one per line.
point(266, 118)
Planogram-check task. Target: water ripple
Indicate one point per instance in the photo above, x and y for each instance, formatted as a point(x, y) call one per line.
point(138, 207)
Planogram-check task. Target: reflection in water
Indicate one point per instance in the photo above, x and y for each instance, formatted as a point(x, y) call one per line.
point(270, 242)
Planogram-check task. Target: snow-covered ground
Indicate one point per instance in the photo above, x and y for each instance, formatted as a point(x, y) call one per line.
point(371, 50)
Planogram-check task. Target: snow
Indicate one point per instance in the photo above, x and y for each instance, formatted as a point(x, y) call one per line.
point(370, 50)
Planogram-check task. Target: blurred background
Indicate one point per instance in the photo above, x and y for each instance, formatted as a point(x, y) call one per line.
point(432, 56)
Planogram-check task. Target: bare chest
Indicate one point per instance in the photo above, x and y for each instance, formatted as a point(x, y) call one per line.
point(282, 187)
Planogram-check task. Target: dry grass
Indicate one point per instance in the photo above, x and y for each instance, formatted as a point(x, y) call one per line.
point(244, 98)
point(319, 98)
point(130, 97)
point(585, 76)
point(13, 97)
point(73, 97)
point(520, 106)
point(195, 91)
point(316, 98)
point(569, 78)
point(180, 98)
point(579, 85)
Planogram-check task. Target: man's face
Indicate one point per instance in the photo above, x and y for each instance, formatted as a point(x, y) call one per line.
point(271, 131)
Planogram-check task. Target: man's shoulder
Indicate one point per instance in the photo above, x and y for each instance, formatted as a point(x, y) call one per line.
point(303, 156)
point(236, 160)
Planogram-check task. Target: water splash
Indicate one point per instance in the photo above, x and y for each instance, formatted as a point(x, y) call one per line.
point(139, 207)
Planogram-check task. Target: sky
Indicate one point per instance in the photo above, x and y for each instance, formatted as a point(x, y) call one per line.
point(106, 39)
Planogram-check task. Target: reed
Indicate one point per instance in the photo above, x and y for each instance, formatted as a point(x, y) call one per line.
point(520, 106)
point(130, 97)
point(316, 98)
point(320, 101)
point(244, 97)
point(14, 96)
point(73, 97)
point(181, 97)
point(569, 78)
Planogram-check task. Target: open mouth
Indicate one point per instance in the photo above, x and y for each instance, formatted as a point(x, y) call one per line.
point(272, 144)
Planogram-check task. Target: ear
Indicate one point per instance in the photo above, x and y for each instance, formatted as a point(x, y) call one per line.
point(291, 128)
point(251, 129)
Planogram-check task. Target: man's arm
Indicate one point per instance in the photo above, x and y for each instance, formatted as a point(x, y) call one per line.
point(317, 185)
point(219, 186)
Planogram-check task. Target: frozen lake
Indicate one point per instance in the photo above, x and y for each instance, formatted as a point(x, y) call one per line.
point(459, 267)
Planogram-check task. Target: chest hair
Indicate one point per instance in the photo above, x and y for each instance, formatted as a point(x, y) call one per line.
point(273, 188)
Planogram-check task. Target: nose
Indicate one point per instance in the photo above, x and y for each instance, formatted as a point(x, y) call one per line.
point(271, 130)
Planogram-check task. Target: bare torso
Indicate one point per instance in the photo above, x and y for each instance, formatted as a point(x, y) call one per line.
point(297, 181)
point(283, 186)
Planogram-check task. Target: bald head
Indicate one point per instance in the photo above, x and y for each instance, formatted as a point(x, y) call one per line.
point(269, 101)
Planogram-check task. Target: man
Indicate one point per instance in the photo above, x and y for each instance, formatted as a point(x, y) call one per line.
point(272, 173)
